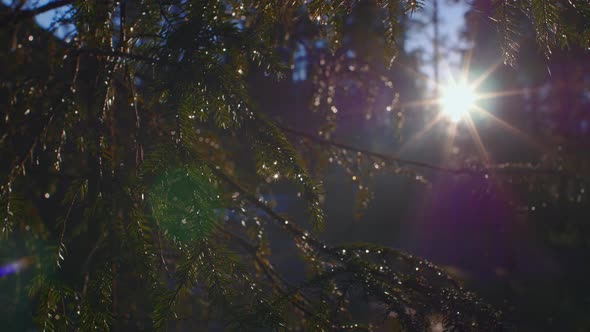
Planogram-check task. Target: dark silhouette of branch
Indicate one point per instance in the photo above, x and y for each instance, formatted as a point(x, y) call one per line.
point(119, 54)
point(284, 287)
point(291, 227)
point(384, 157)
point(507, 168)
point(19, 15)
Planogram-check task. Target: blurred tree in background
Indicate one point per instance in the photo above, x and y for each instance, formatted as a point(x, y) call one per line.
point(546, 113)
point(163, 162)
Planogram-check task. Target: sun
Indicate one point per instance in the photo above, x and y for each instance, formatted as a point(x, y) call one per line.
point(456, 100)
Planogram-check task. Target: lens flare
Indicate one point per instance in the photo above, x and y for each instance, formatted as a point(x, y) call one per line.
point(16, 266)
point(457, 100)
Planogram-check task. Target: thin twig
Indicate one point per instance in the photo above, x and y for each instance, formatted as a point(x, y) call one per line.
point(121, 55)
point(497, 168)
point(283, 286)
point(63, 229)
point(291, 227)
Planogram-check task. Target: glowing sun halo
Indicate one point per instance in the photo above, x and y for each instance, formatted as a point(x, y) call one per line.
point(456, 100)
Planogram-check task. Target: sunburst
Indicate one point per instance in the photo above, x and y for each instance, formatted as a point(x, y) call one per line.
point(456, 101)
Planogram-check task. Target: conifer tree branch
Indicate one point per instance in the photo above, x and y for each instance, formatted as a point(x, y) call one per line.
point(15, 17)
point(495, 168)
point(291, 227)
point(120, 54)
point(335, 253)
point(282, 285)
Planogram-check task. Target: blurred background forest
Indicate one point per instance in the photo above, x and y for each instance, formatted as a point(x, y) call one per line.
point(521, 241)
point(499, 202)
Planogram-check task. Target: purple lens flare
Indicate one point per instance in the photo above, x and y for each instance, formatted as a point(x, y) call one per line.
point(15, 267)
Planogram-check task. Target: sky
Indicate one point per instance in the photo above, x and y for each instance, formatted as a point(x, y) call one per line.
point(45, 19)
point(451, 17)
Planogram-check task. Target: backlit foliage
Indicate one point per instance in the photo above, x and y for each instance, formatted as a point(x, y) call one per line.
point(131, 150)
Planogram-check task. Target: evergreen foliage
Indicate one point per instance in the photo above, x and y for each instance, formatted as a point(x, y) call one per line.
point(554, 27)
point(131, 149)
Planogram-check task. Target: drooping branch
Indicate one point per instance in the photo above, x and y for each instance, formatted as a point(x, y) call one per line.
point(359, 268)
point(291, 227)
point(269, 271)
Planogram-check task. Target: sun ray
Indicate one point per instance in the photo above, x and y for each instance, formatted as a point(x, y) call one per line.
point(477, 139)
point(455, 100)
point(416, 73)
point(449, 72)
point(506, 126)
point(489, 95)
point(418, 103)
point(448, 147)
point(484, 76)
point(467, 63)
point(417, 136)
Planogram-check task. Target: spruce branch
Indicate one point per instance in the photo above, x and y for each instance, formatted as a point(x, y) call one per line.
point(270, 272)
point(506, 17)
point(377, 280)
point(121, 55)
point(505, 168)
